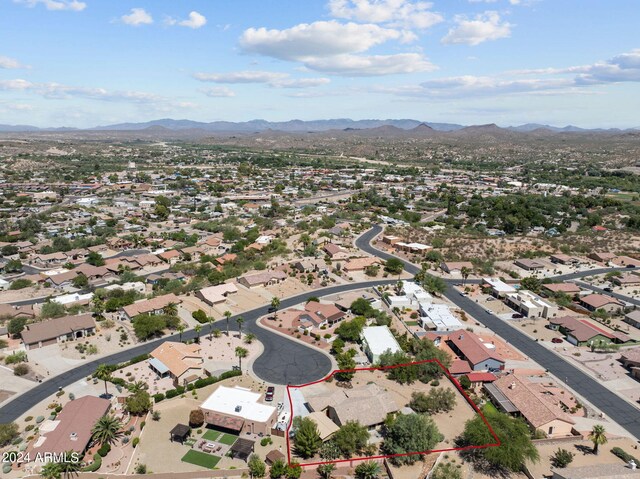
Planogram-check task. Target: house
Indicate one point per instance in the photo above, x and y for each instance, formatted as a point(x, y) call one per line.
point(266, 278)
point(308, 266)
point(326, 427)
point(412, 247)
point(172, 256)
point(390, 239)
point(62, 279)
point(377, 340)
point(335, 252)
point(597, 471)
point(601, 257)
point(499, 288)
point(217, 294)
point(529, 264)
point(581, 332)
point(479, 379)
point(626, 261)
point(49, 259)
point(182, 362)
point(360, 264)
point(369, 405)
point(330, 313)
point(519, 396)
point(531, 305)
point(9, 311)
point(630, 359)
point(561, 258)
point(238, 410)
point(53, 331)
point(438, 317)
point(71, 429)
point(480, 355)
point(149, 306)
point(633, 318)
point(593, 302)
point(566, 288)
point(627, 279)
point(452, 267)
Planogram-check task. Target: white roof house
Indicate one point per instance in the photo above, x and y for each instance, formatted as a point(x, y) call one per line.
point(441, 317)
point(378, 340)
point(499, 286)
point(239, 402)
point(72, 298)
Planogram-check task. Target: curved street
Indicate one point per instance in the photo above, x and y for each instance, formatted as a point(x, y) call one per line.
point(602, 398)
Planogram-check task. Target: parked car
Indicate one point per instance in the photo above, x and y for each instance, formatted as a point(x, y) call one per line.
point(556, 340)
point(516, 316)
point(270, 392)
point(272, 309)
point(608, 289)
point(630, 266)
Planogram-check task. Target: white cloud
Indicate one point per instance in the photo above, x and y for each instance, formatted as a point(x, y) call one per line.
point(318, 39)
point(218, 92)
point(274, 79)
point(483, 27)
point(371, 65)
point(6, 106)
point(196, 20)
point(400, 13)
point(10, 63)
point(138, 16)
point(331, 47)
point(72, 5)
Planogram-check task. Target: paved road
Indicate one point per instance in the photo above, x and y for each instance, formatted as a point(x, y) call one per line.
point(283, 360)
point(597, 394)
point(621, 297)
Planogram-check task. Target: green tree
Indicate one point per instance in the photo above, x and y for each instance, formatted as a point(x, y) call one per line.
point(346, 365)
point(103, 373)
point(351, 330)
point(107, 430)
point(170, 309)
point(294, 471)
point(465, 272)
point(21, 283)
point(351, 438)
point(257, 467)
point(278, 469)
point(410, 433)
point(437, 400)
point(16, 326)
point(138, 403)
point(95, 259)
point(562, 458)
point(367, 470)
point(394, 266)
point(199, 316)
point(598, 436)
point(531, 283)
point(13, 266)
point(306, 439)
point(80, 281)
point(275, 304)
point(70, 464)
point(434, 284)
point(465, 382)
point(8, 432)
point(240, 354)
point(515, 439)
point(146, 326)
point(50, 470)
point(52, 309)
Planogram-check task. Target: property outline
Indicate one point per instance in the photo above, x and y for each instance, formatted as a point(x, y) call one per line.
point(384, 456)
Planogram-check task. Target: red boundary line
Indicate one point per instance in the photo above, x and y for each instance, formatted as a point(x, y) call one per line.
point(383, 368)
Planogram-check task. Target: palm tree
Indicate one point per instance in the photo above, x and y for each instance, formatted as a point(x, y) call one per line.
point(103, 372)
point(170, 309)
point(597, 436)
point(367, 470)
point(249, 338)
point(197, 328)
point(227, 315)
point(325, 471)
point(217, 333)
point(399, 286)
point(275, 304)
point(210, 321)
point(137, 387)
point(70, 465)
point(51, 470)
point(107, 430)
point(180, 329)
point(241, 353)
point(464, 271)
point(240, 321)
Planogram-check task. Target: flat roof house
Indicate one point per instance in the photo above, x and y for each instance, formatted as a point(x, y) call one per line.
point(377, 340)
point(499, 288)
point(66, 328)
point(71, 429)
point(531, 305)
point(239, 410)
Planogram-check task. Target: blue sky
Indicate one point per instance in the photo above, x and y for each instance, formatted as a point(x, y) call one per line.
point(93, 62)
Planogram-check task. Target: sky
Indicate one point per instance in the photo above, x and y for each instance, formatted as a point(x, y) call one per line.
point(84, 63)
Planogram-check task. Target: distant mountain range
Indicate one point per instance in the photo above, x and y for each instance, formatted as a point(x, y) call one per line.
point(300, 126)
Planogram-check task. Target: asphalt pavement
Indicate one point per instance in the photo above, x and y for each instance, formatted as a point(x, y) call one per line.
point(596, 393)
